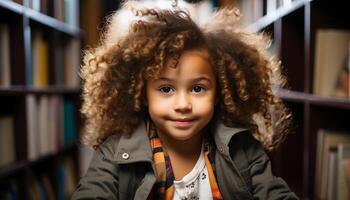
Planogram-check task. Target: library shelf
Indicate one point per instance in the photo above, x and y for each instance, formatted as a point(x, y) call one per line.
point(295, 96)
point(270, 18)
point(40, 97)
point(53, 23)
point(293, 30)
point(41, 18)
point(12, 7)
point(18, 166)
point(23, 90)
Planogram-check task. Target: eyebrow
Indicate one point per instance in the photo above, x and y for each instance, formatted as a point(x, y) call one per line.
point(162, 78)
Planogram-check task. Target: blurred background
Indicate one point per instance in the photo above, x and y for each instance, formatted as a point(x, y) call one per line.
point(41, 48)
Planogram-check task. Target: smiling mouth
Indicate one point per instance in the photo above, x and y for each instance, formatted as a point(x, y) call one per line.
point(182, 123)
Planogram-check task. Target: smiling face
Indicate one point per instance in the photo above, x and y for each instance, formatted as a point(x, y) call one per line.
point(181, 100)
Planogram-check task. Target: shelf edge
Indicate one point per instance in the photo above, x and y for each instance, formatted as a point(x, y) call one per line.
point(268, 19)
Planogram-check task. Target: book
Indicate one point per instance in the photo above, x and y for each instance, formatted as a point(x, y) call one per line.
point(58, 11)
point(7, 140)
point(325, 140)
point(343, 159)
point(50, 124)
point(34, 4)
point(18, 1)
point(57, 124)
point(71, 12)
point(32, 127)
point(251, 10)
point(332, 48)
point(69, 122)
point(66, 179)
point(70, 179)
point(40, 60)
point(5, 67)
point(41, 186)
point(43, 139)
point(72, 63)
point(60, 122)
point(279, 3)
point(44, 6)
point(47, 185)
point(54, 125)
point(342, 81)
point(34, 189)
point(60, 184)
point(258, 9)
point(347, 173)
point(59, 65)
point(332, 174)
point(9, 191)
point(271, 6)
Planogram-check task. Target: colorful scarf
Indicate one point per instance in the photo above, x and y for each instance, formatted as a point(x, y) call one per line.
point(164, 188)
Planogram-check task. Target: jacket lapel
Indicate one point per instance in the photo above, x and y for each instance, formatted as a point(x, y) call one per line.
point(134, 147)
point(230, 180)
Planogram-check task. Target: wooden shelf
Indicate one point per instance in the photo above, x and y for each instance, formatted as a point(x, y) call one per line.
point(278, 14)
point(12, 6)
point(43, 19)
point(18, 166)
point(53, 23)
point(23, 90)
point(35, 38)
point(294, 96)
point(329, 102)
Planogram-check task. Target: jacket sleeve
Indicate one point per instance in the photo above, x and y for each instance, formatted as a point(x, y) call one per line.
point(101, 178)
point(264, 184)
point(255, 168)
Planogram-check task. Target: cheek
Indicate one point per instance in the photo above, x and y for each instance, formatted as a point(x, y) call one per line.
point(205, 107)
point(157, 107)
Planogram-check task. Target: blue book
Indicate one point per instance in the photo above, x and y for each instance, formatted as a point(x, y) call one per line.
point(61, 173)
point(69, 122)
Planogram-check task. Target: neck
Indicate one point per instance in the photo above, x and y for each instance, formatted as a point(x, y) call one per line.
point(183, 154)
point(184, 148)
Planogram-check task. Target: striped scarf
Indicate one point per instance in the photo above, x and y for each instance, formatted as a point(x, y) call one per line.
point(164, 188)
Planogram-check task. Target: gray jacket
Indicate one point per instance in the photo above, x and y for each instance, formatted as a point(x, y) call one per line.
point(122, 168)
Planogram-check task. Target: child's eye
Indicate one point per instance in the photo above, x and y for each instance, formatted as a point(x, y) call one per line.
point(198, 89)
point(166, 89)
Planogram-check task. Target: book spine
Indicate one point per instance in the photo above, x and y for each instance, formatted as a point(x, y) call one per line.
point(7, 140)
point(5, 68)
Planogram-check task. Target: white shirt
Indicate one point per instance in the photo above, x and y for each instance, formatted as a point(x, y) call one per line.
point(195, 184)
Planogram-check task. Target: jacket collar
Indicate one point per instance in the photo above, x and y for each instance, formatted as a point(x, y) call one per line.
point(135, 147)
point(222, 136)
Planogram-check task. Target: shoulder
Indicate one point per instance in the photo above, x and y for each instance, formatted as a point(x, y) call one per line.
point(244, 145)
point(244, 139)
point(108, 148)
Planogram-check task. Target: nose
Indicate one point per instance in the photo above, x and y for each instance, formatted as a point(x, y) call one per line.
point(183, 103)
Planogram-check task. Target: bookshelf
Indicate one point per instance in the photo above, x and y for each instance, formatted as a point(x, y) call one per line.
point(294, 29)
point(39, 97)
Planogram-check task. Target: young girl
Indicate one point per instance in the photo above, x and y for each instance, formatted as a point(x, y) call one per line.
point(177, 110)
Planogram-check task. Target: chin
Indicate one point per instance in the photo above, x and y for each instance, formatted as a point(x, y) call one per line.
point(183, 137)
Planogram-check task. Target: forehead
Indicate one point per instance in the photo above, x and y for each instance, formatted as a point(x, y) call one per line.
point(191, 63)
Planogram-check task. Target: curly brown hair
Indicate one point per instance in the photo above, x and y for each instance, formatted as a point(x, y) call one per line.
point(115, 73)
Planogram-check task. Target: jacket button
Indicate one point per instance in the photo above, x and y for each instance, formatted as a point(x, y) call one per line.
point(221, 149)
point(125, 156)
